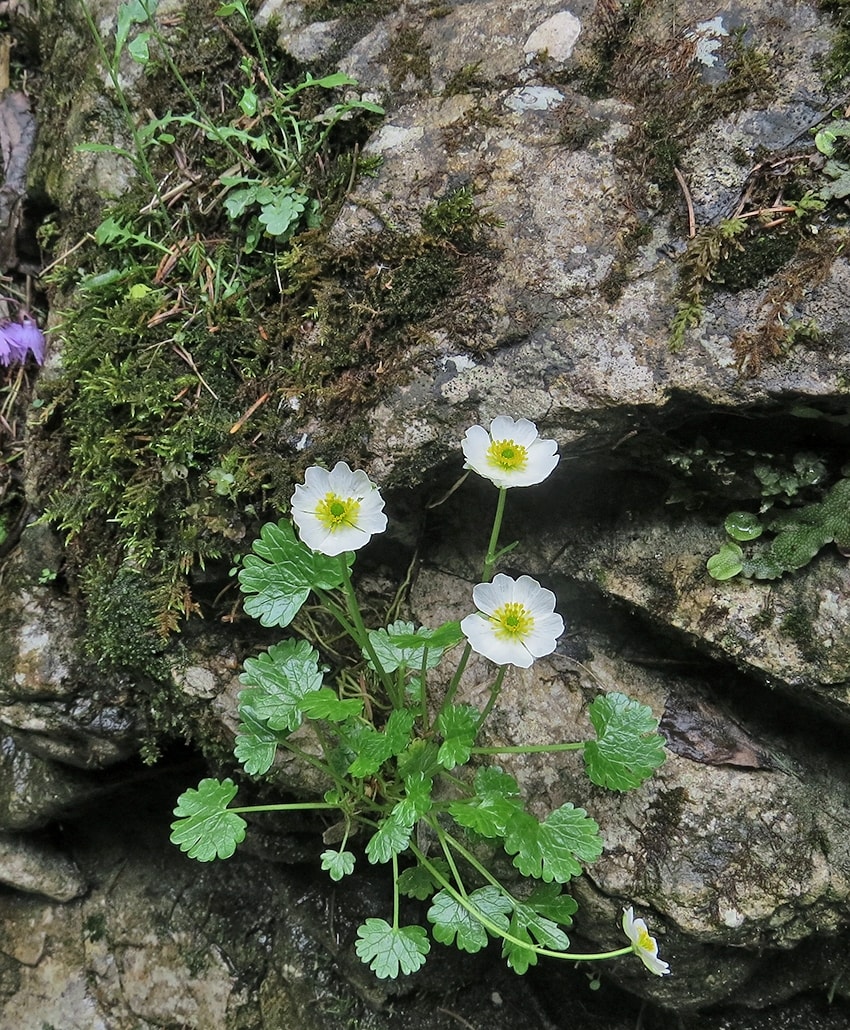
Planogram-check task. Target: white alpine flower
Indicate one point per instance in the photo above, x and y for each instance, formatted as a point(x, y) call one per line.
point(337, 511)
point(511, 454)
point(515, 623)
point(643, 945)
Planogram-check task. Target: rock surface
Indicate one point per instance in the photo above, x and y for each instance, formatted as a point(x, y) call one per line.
point(737, 851)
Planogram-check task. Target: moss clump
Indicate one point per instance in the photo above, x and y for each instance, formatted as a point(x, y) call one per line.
point(798, 535)
point(407, 55)
point(120, 633)
point(796, 624)
point(757, 256)
point(456, 219)
point(465, 80)
point(837, 64)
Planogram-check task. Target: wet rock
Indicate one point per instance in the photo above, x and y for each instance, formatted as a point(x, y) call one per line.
point(56, 712)
point(34, 791)
point(792, 632)
point(589, 363)
point(38, 627)
point(29, 865)
point(736, 850)
point(737, 847)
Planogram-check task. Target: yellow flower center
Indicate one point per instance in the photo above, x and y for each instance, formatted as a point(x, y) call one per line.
point(507, 455)
point(337, 512)
point(644, 941)
point(513, 621)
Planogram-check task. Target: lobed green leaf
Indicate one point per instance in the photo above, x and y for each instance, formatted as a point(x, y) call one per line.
point(417, 881)
point(204, 828)
point(325, 704)
point(402, 646)
point(256, 744)
point(628, 748)
point(337, 864)
point(373, 747)
point(389, 949)
point(493, 807)
point(458, 725)
point(453, 922)
point(553, 849)
point(417, 799)
point(391, 838)
point(278, 577)
point(518, 957)
point(277, 681)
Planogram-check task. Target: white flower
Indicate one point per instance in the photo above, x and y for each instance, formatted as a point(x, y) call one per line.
point(510, 454)
point(337, 511)
point(516, 621)
point(644, 946)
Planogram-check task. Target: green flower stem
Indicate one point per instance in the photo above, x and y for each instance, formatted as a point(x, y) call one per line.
point(527, 749)
point(482, 870)
point(140, 160)
point(497, 932)
point(361, 635)
point(423, 692)
point(294, 807)
point(447, 840)
point(338, 613)
point(492, 556)
point(461, 665)
point(395, 891)
point(495, 690)
point(444, 840)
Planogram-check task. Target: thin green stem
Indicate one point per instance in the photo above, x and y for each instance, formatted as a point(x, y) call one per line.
point(444, 838)
point(528, 749)
point(294, 807)
point(338, 613)
point(452, 689)
point(498, 932)
point(482, 870)
point(395, 891)
point(495, 690)
point(423, 693)
point(361, 634)
point(139, 160)
point(491, 556)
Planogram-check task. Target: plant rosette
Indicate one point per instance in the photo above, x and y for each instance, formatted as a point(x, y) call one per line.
point(404, 764)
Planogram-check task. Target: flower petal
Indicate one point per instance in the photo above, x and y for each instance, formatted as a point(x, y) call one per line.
point(337, 511)
point(643, 944)
point(525, 461)
point(515, 622)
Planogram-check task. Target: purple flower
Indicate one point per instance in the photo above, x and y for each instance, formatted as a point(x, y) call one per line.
point(19, 338)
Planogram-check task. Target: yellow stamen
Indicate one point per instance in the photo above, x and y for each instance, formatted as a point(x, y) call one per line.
point(507, 455)
point(644, 941)
point(513, 621)
point(337, 512)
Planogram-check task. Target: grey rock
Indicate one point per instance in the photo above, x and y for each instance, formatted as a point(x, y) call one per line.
point(736, 848)
point(34, 791)
point(33, 867)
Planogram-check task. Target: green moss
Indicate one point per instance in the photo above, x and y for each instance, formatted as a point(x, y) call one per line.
point(798, 535)
point(120, 630)
point(94, 926)
point(796, 624)
point(456, 219)
point(465, 80)
point(761, 255)
point(836, 66)
point(407, 54)
point(610, 26)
